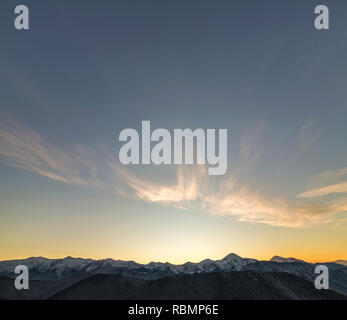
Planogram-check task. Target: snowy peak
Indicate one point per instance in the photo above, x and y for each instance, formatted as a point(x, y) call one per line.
point(283, 260)
point(233, 262)
point(232, 257)
point(58, 268)
point(342, 262)
point(53, 269)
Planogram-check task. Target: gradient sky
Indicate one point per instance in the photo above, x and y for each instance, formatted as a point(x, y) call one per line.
point(88, 69)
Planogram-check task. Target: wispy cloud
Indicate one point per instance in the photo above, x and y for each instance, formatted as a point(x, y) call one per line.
point(225, 196)
point(333, 181)
point(319, 192)
point(328, 176)
point(192, 188)
point(23, 148)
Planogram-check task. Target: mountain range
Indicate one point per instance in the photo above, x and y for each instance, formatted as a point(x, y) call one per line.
point(52, 277)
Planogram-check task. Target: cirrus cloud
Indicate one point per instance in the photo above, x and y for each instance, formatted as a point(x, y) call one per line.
point(191, 189)
point(319, 192)
point(23, 148)
point(225, 196)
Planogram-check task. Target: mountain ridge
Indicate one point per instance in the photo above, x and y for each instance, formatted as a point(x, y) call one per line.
point(342, 262)
point(60, 265)
point(53, 275)
point(282, 259)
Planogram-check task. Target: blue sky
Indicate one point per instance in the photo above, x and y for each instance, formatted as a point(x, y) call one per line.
point(86, 70)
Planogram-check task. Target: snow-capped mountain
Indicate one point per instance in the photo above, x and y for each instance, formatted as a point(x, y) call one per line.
point(43, 268)
point(71, 269)
point(68, 271)
point(343, 262)
point(282, 260)
point(50, 267)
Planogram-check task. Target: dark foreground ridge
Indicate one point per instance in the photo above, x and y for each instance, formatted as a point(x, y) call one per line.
point(242, 285)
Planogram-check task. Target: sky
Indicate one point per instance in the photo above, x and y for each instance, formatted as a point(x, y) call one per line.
point(86, 70)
